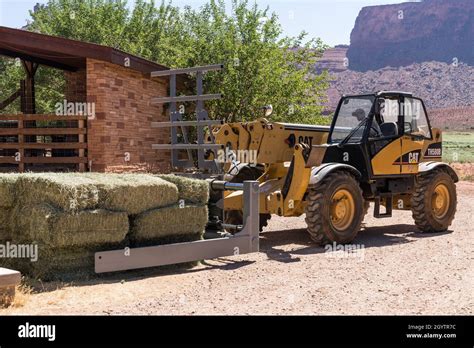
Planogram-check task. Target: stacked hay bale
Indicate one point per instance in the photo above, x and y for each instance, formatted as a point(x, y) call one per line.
point(70, 216)
point(7, 201)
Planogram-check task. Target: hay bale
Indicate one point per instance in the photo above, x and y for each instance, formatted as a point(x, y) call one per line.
point(46, 224)
point(5, 224)
point(133, 193)
point(190, 190)
point(67, 191)
point(58, 263)
point(169, 222)
point(7, 190)
point(64, 264)
point(69, 264)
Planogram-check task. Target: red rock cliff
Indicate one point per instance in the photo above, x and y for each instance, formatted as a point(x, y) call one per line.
point(412, 32)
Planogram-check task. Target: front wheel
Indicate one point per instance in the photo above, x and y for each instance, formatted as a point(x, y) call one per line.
point(434, 201)
point(335, 209)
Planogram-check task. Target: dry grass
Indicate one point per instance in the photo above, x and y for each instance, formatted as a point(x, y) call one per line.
point(169, 221)
point(133, 193)
point(22, 294)
point(69, 192)
point(20, 298)
point(4, 223)
point(190, 190)
point(64, 264)
point(70, 216)
point(7, 190)
point(46, 224)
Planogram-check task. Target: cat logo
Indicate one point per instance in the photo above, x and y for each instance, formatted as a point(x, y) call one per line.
point(291, 141)
point(413, 157)
point(306, 140)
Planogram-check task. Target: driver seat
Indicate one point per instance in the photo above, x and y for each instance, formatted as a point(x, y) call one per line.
point(389, 129)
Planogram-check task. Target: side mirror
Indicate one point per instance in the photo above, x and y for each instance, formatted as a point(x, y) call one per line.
point(268, 110)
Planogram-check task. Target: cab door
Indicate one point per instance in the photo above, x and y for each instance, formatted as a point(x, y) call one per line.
point(416, 131)
point(385, 151)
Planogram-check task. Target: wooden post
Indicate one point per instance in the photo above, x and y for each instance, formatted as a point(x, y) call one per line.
point(23, 96)
point(80, 125)
point(21, 144)
point(30, 69)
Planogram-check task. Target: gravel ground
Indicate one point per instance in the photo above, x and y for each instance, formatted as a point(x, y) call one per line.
point(398, 271)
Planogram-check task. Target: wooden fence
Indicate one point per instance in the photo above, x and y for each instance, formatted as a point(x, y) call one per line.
point(43, 140)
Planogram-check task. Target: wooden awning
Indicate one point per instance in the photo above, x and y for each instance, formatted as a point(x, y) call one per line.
point(65, 54)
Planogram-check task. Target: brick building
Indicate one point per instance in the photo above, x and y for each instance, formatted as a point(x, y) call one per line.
point(115, 84)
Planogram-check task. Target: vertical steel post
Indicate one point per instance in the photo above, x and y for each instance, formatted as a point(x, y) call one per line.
point(174, 131)
point(251, 212)
point(200, 116)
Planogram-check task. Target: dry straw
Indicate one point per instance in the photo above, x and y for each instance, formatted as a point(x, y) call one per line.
point(190, 190)
point(133, 193)
point(170, 221)
point(73, 215)
point(46, 224)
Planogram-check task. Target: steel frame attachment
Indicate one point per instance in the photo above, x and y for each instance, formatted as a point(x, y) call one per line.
point(176, 121)
point(243, 242)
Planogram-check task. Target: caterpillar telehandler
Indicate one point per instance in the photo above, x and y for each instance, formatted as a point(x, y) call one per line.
point(379, 148)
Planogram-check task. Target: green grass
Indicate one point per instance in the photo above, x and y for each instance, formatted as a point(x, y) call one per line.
point(458, 147)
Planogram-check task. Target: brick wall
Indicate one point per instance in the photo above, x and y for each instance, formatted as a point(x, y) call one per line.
point(75, 85)
point(122, 124)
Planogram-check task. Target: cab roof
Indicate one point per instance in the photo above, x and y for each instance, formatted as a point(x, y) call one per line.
point(382, 94)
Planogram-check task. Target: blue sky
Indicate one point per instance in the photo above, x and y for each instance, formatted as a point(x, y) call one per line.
point(331, 20)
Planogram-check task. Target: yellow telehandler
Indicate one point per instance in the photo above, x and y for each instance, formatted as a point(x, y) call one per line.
point(379, 148)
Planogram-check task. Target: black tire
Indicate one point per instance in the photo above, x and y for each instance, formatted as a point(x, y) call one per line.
point(428, 217)
point(318, 210)
point(235, 217)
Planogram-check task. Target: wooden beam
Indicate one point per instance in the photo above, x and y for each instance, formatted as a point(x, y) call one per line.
point(54, 160)
point(40, 146)
point(42, 61)
point(8, 159)
point(41, 117)
point(42, 131)
point(10, 99)
point(21, 151)
point(30, 100)
point(82, 138)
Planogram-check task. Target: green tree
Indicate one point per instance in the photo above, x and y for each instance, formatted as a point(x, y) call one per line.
point(49, 85)
point(261, 65)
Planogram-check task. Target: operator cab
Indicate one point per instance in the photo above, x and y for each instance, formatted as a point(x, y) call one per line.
point(373, 133)
point(379, 115)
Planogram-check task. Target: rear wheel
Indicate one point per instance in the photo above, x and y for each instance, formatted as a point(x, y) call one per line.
point(434, 201)
point(335, 209)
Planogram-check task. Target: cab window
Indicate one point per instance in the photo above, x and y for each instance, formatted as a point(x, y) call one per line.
point(390, 110)
point(415, 120)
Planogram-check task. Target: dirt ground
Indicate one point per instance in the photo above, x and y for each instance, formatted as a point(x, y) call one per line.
point(398, 271)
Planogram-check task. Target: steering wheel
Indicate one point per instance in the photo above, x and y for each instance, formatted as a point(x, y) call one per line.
point(377, 132)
